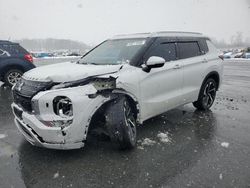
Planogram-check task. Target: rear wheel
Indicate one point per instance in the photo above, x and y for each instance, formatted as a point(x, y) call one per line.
point(121, 123)
point(12, 76)
point(207, 95)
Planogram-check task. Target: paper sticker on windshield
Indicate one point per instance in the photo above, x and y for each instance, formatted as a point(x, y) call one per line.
point(136, 43)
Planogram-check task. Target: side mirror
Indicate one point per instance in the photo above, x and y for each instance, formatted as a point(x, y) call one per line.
point(153, 62)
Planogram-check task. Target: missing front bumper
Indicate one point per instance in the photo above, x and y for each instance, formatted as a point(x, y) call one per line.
point(32, 137)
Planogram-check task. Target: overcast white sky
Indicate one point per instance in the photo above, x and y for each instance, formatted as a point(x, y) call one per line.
point(92, 21)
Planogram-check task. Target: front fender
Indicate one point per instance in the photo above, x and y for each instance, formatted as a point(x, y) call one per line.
point(83, 109)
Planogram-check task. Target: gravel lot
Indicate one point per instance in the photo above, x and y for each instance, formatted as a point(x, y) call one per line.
point(180, 148)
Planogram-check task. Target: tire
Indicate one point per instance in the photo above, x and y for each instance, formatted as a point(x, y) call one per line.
point(207, 95)
point(121, 123)
point(12, 76)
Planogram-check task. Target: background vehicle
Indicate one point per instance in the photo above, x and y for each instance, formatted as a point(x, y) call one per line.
point(239, 55)
point(246, 55)
point(125, 80)
point(227, 55)
point(14, 61)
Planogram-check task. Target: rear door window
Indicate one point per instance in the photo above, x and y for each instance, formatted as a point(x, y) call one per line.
point(188, 49)
point(14, 49)
point(164, 50)
point(3, 53)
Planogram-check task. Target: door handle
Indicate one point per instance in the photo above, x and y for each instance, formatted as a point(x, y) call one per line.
point(177, 66)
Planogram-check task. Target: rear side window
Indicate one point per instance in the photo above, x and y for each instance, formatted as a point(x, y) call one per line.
point(14, 49)
point(203, 46)
point(164, 50)
point(188, 49)
point(1, 53)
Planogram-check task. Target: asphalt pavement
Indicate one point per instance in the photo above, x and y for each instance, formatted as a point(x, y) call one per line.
point(180, 148)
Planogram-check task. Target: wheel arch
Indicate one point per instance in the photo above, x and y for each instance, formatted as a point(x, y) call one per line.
point(214, 75)
point(114, 95)
point(132, 100)
point(9, 67)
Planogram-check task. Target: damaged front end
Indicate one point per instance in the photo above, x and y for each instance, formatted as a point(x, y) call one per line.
point(58, 115)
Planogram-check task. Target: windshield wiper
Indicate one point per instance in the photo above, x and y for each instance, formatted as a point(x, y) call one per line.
point(88, 63)
point(92, 63)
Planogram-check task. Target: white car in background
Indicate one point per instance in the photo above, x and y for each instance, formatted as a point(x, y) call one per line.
point(246, 55)
point(121, 82)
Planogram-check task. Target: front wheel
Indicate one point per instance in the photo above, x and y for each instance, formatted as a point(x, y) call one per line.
point(12, 76)
point(121, 123)
point(207, 95)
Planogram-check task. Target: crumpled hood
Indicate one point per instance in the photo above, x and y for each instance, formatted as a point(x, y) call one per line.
point(66, 72)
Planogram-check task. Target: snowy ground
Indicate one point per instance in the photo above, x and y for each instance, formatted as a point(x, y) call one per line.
point(237, 60)
point(180, 148)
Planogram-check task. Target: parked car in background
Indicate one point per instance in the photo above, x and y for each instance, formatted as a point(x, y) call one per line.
point(247, 55)
point(42, 54)
point(239, 55)
point(14, 61)
point(74, 54)
point(227, 55)
point(122, 82)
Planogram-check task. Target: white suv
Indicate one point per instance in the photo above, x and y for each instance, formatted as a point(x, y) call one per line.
point(122, 82)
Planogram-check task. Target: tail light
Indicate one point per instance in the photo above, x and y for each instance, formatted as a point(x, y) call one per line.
point(28, 57)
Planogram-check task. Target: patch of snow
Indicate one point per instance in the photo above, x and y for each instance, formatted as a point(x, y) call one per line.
point(164, 137)
point(148, 142)
point(221, 177)
point(1, 83)
point(2, 136)
point(56, 175)
point(139, 141)
point(225, 144)
point(241, 60)
point(140, 147)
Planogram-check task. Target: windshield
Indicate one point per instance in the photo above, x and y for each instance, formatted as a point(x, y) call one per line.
point(113, 52)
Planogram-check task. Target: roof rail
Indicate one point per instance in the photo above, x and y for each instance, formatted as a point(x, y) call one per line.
point(158, 34)
point(181, 32)
point(120, 35)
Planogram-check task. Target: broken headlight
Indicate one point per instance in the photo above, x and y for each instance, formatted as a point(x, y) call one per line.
point(35, 108)
point(104, 83)
point(62, 106)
